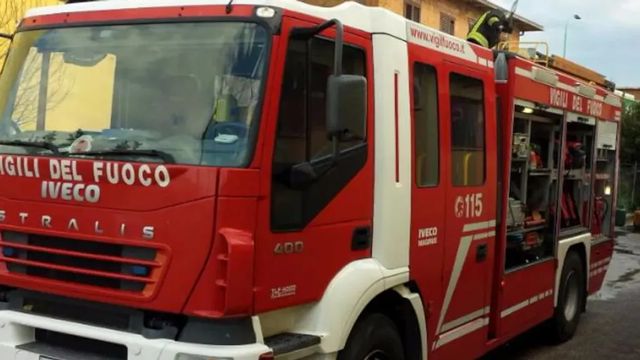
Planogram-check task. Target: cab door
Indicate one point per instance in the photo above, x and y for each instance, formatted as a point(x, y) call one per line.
point(311, 227)
point(469, 143)
point(429, 179)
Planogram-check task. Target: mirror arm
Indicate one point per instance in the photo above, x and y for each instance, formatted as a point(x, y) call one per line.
point(337, 59)
point(337, 71)
point(339, 41)
point(339, 44)
point(6, 36)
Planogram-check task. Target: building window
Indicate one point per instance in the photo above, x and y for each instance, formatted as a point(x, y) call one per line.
point(425, 115)
point(447, 23)
point(467, 131)
point(412, 11)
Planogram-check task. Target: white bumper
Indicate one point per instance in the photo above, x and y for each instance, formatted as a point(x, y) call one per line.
point(18, 328)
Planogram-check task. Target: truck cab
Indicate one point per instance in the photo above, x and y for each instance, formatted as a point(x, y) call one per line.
point(171, 171)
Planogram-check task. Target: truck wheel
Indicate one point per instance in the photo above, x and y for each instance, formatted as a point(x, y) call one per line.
point(570, 299)
point(374, 337)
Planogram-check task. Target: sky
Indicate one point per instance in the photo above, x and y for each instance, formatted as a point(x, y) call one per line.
point(607, 39)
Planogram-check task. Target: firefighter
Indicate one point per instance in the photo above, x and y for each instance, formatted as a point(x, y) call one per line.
point(487, 29)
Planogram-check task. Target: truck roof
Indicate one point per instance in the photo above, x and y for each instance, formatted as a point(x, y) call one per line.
point(352, 14)
point(568, 82)
point(365, 18)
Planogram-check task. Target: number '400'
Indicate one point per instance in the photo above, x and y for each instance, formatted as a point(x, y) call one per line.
point(289, 248)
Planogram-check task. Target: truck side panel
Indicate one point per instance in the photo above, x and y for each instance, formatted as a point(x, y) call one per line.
point(601, 254)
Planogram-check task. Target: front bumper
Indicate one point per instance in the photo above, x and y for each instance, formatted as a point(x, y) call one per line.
point(18, 329)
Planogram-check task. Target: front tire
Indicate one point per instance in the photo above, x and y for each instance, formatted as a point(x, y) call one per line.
point(570, 299)
point(374, 337)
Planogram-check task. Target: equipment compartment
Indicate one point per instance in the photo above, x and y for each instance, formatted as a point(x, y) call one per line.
point(533, 186)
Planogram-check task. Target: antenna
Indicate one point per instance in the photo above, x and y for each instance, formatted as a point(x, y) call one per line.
point(509, 21)
point(514, 7)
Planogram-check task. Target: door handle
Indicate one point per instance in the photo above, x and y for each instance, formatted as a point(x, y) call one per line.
point(481, 252)
point(361, 239)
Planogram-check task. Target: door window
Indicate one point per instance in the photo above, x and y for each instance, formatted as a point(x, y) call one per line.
point(302, 133)
point(425, 114)
point(467, 131)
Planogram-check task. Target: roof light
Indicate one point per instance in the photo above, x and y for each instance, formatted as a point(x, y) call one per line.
point(527, 110)
point(265, 12)
point(586, 90)
point(545, 76)
point(613, 100)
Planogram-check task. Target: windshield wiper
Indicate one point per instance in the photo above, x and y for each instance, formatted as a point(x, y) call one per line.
point(164, 156)
point(34, 144)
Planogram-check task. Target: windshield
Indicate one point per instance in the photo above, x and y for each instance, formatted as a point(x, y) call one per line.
point(187, 91)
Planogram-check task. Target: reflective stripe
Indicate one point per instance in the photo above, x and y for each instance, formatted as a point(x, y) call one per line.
point(493, 20)
point(479, 38)
point(599, 267)
point(479, 226)
point(478, 23)
point(598, 271)
point(521, 305)
point(524, 72)
point(484, 235)
point(464, 319)
point(461, 256)
point(599, 263)
point(514, 308)
point(461, 331)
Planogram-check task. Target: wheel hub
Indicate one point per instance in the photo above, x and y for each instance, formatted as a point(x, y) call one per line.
point(572, 296)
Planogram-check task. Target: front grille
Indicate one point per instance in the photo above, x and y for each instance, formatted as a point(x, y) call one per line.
point(99, 264)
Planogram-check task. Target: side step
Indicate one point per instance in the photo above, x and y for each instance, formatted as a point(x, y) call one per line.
point(292, 346)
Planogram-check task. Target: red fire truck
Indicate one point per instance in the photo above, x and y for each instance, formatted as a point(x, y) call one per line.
point(258, 179)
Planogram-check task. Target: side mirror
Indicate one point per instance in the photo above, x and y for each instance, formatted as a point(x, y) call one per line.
point(346, 104)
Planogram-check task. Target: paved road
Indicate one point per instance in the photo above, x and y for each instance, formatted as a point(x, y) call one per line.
point(610, 329)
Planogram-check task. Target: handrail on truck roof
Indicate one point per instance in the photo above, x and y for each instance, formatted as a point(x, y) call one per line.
point(529, 51)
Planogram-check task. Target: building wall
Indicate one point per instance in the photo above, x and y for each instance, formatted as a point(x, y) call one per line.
point(633, 91)
point(430, 11)
point(11, 12)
